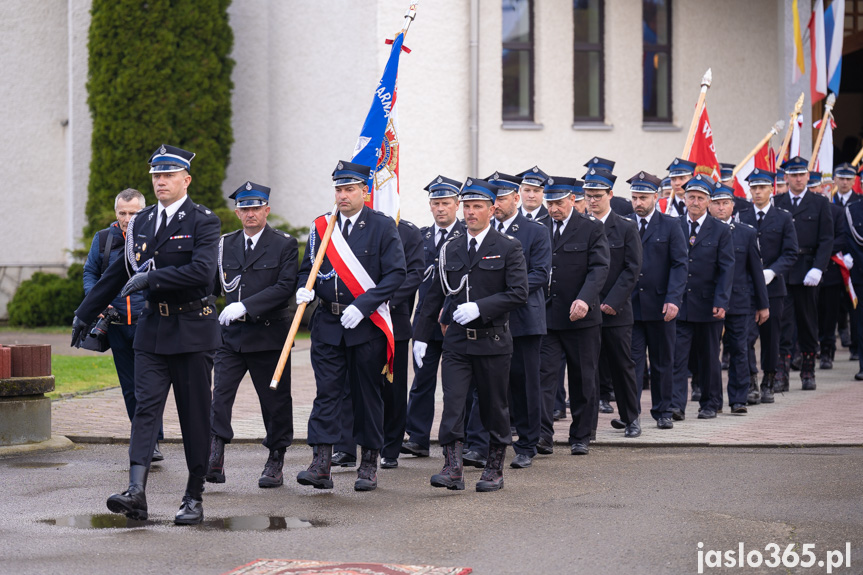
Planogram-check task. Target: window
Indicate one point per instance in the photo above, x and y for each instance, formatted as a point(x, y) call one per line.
point(656, 27)
point(517, 37)
point(589, 61)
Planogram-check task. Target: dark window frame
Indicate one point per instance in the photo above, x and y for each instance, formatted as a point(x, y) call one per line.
point(529, 47)
point(667, 50)
point(590, 47)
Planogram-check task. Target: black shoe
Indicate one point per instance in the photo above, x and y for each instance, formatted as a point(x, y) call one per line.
point(191, 511)
point(739, 409)
point(826, 362)
point(753, 397)
point(677, 415)
point(414, 448)
point(726, 360)
point(796, 362)
point(133, 502)
point(579, 448)
point(664, 423)
point(859, 375)
point(389, 462)
point(474, 459)
point(520, 461)
point(809, 384)
point(593, 435)
point(611, 397)
point(633, 429)
point(696, 395)
point(343, 459)
point(618, 424)
point(559, 414)
point(845, 337)
point(513, 431)
point(367, 477)
point(545, 447)
point(318, 474)
point(706, 414)
point(216, 465)
point(605, 407)
point(157, 453)
point(854, 356)
point(272, 475)
point(767, 388)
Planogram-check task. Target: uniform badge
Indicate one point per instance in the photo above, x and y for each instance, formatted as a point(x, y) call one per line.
point(162, 150)
point(249, 186)
point(439, 180)
point(150, 217)
point(535, 169)
point(551, 181)
point(676, 161)
point(469, 182)
point(341, 166)
point(641, 175)
point(514, 227)
point(361, 224)
point(592, 171)
point(496, 176)
point(138, 257)
point(181, 215)
point(208, 212)
point(596, 160)
point(144, 247)
point(428, 234)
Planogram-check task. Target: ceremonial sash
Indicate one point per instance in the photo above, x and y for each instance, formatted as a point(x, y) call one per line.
point(356, 278)
point(846, 277)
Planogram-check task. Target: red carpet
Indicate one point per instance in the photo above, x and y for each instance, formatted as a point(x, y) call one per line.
point(299, 567)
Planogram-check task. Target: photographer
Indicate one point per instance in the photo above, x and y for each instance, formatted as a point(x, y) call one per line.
point(122, 314)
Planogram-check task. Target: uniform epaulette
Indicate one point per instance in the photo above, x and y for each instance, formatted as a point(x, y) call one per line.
point(146, 209)
point(781, 209)
point(536, 222)
point(204, 209)
point(407, 223)
point(751, 227)
point(281, 233)
point(233, 233)
point(509, 236)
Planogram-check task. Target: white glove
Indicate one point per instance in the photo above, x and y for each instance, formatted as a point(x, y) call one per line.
point(466, 313)
point(232, 312)
point(813, 277)
point(351, 317)
point(769, 276)
point(420, 352)
point(305, 296)
point(849, 261)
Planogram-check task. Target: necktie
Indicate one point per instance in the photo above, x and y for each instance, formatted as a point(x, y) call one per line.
point(346, 229)
point(557, 226)
point(643, 226)
point(760, 219)
point(162, 224)
point(681, 208)
point(442, 238)
point(249, 246)
point(529, 216)
point(472, 251)
point(795, 201)
point(500, 227)
point(693, 228)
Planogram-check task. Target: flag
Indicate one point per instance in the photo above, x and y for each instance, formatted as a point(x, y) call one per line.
point(824, 161)
point(378, 144)
point(794, 146)
point(703, 150)
point(764, 159)
point(799, 62)
point(834, 23)
point(846, 276)
point(818, 53)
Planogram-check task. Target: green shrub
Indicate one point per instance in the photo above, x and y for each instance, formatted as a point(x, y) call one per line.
point(47, 299)
point(159, 72)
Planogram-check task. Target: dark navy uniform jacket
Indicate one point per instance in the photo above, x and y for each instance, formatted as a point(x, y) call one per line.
point(529, 319)
point(748, 288)
point(711, 271)
point(402, 302)
point(854, 240)
point(374, 240)
point(833, 277)
point(814, 224)
point(621, 206)
point(624, 248)
point(266, 288)
point(541, 217)
point(430, 253)
point(777, 241)
point(854, 197)
point(579, 267)
point(663, 267)
point(185, 258)
point(741, 206)
point(497, 284)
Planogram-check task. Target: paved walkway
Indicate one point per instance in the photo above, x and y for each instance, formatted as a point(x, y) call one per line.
point(826, 416)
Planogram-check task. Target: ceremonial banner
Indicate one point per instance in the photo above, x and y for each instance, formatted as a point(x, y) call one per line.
point(818, 53)
point(703, 151)
point(354, 275)
point(764, 159)
point(794, 147)
point(834, 24)
point(378, 144)
point(846, 276)
point(824, 161)
point(799, 60)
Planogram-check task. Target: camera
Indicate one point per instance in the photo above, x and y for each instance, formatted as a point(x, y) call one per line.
point(97, 339)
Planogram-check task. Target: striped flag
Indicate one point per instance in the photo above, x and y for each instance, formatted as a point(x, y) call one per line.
point(824, 161)
point(834, 24)
point(818, 56)
point(799, 61)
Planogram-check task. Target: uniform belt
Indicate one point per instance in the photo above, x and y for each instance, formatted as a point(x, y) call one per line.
point(806, 251)
point(277, 315)
point(166, 309)
point(474, 334)
point(336, 308)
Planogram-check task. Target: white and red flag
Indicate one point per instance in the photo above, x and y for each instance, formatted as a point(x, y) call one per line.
point(818, 53)
point(703, 150)
point(764, 159)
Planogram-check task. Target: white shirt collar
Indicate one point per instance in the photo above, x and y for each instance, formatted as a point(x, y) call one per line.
point(566, 221)
point(605, 217)
point(479, 237)
point(353, 219)
point(254, 238)
point(534, 213)
point(792, 195)
point(448, 229)
point(845, 197)
point(169, 210)
point(699, 220)
point(647, 217)
point(765, 209)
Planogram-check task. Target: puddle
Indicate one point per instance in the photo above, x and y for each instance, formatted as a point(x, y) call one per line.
point(35, 464)
point(247, 523)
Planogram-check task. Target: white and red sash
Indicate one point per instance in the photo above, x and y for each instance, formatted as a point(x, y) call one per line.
point(846, 277)
point(355, 276)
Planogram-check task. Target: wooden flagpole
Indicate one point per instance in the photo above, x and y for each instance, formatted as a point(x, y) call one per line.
point(693, 126)
point(828, 109)
point(798, 107)
point(777, 127)
point(857, 158)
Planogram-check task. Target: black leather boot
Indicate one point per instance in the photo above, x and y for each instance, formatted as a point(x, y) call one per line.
point(452, 474)
point(807, 371)
point(754, 396)
point(492, 475)
point(367, 474)
point(133, 502)
point(272, 475)
point(216, 465)
point(826, 357)
point(767, 388)
point(192, 507)
point(783, 368)
point(318, 473)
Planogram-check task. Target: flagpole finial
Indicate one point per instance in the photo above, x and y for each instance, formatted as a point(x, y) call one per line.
point(409, 16)
point(778, 127)
point(798, 107)
point(831, 100)
point(707, 79)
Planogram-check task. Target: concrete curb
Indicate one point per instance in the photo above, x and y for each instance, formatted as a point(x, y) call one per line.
point(55, 444)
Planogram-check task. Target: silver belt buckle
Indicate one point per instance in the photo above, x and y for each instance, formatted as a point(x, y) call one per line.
point(471, 334)
point(243, 318)
point(163, 309)
point(335, 309)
